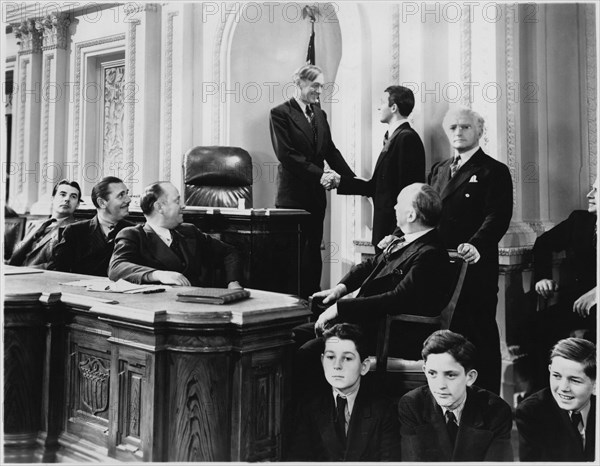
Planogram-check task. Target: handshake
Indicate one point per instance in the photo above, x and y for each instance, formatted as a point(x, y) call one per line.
point(330, 179)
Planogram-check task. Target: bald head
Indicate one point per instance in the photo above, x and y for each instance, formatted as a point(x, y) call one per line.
point(418, 208)
point(161, 203)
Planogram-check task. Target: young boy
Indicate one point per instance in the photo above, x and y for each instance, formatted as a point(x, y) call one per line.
point(347, 422)
point(558, 423)
point(450, 419)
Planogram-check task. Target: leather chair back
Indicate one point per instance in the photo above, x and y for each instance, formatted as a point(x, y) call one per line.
point(217, 176)
point(14, 228)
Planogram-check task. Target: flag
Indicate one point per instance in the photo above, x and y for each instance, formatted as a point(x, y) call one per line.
point(310, 53)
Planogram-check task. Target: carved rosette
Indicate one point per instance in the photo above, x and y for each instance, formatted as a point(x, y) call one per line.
point(55, 31)
point(28, 37)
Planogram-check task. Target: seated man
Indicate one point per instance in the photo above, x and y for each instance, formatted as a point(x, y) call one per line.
point(37, 247)
point(165, 250)
point(559, 423)
point(86, 246)
point(575, 306)
point(411, 276)
point(364, 426)
point(450, 419)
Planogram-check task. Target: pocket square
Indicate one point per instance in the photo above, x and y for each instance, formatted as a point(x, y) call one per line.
point(473, 179)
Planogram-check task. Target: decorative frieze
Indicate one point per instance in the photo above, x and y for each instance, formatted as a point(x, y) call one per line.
point(28, 37)
point(168, 95)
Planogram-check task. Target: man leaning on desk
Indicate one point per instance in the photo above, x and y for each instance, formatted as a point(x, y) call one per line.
point(166, 250)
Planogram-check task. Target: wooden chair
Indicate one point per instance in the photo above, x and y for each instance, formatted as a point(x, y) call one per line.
point(14, 228)
point(410, 371)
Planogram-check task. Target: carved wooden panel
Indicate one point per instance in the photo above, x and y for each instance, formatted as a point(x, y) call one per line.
point(130, 412)
point(199, 407)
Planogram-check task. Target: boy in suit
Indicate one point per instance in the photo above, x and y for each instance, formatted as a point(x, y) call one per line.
point(450, 419)
point(347, 422)
point(558, 423)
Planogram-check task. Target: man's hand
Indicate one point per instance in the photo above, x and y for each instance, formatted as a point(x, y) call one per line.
point(468, 252)
point(234, 286)
point(585, 302)
point(329, 314)
point(545, 287)
point(385, 242)
point(333, 294)
point(166, 277)
point(330, 180)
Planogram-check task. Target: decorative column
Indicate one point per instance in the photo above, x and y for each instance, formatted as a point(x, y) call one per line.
point(25, 166)
point(54, 96)
point(176, 110)
point(142, 106)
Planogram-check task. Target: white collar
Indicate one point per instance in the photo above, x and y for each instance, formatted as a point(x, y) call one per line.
point(465, 156)
point(350, 397)
point(457, 411)
point(393, 126)
point(162, 232)
point(410, 237)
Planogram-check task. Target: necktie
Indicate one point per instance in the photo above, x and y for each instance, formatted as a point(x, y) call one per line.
point(42, 230)
point(452, 426)
point(111, 233)
point(386, 137)
point(454, 166)
point(395, 245)
point(176, 247)
point(576, 420)
point(313, 123)
point(341, 404)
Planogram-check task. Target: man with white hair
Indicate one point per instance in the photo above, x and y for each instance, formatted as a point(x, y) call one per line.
point(477, 201)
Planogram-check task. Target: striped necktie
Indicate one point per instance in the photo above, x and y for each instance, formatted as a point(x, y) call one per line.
point(313, 122)
point(454, 166)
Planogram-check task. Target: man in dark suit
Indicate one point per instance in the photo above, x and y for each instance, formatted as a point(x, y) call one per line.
point(166, 250)
point(347, 421)
point(450, 419)
point(400, 163)
point(575, 306)
point(559, 423)
point(477, 204)
point(86, 246)
point(302, 143)
point(37, 247)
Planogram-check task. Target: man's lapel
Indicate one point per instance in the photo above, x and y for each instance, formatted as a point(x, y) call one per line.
point(161, 252)
point(463, 175)
point(299, 118)
point(384, 151)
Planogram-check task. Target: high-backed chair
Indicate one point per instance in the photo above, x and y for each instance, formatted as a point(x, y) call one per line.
point(409, 372)
point(14, 228)
point(217, 176)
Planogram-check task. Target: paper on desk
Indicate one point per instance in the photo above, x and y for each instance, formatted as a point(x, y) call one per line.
point(120, 286)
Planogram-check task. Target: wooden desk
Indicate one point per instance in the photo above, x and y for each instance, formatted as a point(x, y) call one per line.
point(147, 379)
point(268, 239)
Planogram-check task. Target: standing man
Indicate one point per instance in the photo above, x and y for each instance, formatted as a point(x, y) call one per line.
point(302, 143)
point(166, 250)
point(401, 162)
point(42, 236)
point(477, 203)
point(86, 246)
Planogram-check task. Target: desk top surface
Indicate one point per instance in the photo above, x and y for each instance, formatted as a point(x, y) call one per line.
point(49, 286)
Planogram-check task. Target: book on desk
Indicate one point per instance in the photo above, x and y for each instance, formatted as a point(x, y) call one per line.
point(213, 295)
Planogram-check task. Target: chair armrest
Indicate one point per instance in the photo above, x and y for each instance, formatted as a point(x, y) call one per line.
point(416, 319)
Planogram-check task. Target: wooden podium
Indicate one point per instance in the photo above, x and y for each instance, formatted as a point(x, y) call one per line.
point(144, 379)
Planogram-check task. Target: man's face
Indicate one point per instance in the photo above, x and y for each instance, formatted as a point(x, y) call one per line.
point(462, 131)
point(447, 379)
point(171, 207)
point(65, 201)
point(592, 197)
point(570, 386)
point(405, 211)
point(116, 204)
point(385, 111)
point(310, 91)
point(342, 365)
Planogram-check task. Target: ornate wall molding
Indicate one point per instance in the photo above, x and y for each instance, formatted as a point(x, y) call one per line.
point(168, 95)
point(591, 83)
point(20, 106)
point(465, 55)
point(129, 98)
point(395, 67)
point(45, 119)
point(216, 104)
point(79, 88)
point(28, 37)
point(139, 7)
point(511, 100)
point(55, 31)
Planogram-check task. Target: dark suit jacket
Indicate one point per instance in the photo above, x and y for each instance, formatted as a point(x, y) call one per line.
point(414, 280)
point(401, 162)
point(41, 254)
point(85, 249)
point(546, 433)
point(300, 161)
point(483, 433)
point(140, 251)
point(372, 431)
point(575, 235)
point(475, 212)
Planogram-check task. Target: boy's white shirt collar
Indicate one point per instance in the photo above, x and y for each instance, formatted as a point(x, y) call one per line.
point(584, 413)
point(457, 411)
point(350, 397)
